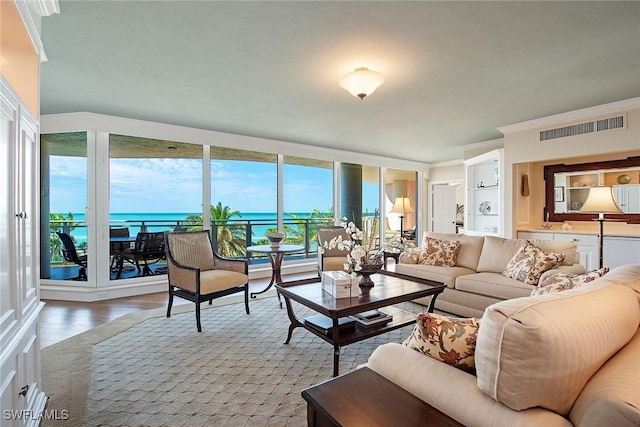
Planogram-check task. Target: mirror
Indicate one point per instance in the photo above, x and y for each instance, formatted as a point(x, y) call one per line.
point(567, 187)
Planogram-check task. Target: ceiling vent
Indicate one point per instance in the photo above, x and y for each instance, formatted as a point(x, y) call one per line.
point(581, 128)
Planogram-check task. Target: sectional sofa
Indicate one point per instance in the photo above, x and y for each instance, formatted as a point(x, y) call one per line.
point(476, 281)
point(558, 359)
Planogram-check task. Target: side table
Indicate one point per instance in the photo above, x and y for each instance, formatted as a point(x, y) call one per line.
point(276, 255)
point(395, 254)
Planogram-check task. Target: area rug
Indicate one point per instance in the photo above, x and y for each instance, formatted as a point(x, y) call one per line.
point(148, 370)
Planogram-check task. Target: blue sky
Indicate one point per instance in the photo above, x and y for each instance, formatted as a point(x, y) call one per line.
point(175, 186)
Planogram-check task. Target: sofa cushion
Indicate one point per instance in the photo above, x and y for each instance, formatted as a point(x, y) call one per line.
point(450, 340)
point(542, 350)
point(529, 263)
point(493, 285)
point(446, 275)
point(611, 396)
point(470, 247)
point(442, 253)
point(563, 281)
point(497, 252)
point(451, 390)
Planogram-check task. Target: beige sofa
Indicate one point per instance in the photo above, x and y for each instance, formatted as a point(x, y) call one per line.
point(559, 359)
point(476, 281)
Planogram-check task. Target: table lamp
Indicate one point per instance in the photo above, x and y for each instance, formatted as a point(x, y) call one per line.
point(402, 206)
point(601, 200)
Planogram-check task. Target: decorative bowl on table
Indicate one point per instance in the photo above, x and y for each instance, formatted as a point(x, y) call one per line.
point(275, 238)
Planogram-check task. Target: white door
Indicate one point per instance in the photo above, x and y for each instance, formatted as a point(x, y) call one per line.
point(444, 208)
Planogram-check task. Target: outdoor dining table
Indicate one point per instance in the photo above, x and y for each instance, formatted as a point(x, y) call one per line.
point(276, 255)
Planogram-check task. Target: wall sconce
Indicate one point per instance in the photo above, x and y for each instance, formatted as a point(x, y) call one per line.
point(362, 82)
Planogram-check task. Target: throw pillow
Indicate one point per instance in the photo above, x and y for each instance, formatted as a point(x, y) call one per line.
point(563, 281)
point(450, 340)
point(442, 253)
point(529, 262)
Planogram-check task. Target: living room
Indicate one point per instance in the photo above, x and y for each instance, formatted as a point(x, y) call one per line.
point(351, 134)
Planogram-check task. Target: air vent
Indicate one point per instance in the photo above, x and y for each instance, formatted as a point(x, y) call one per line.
point(582, 128)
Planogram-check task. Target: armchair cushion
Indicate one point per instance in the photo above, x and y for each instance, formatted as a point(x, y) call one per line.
point(218, 280)
point(192, 250)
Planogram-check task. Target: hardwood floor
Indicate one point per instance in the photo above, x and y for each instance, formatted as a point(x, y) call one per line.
point(60, 320)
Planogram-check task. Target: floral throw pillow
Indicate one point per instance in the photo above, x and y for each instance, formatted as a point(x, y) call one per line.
point(441, 253)
point(450, 340)
point(529, 262)
point(563, 281)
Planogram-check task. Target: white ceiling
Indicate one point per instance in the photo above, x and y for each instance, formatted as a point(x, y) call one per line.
point(455, 71)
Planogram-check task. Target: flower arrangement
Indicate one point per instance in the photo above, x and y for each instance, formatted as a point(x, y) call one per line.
point(359, 247)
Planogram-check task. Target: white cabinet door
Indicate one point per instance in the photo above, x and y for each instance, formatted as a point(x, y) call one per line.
point(628, 197)
point(26, 225)
point(9, 309)
point(621, 250)
point(20, 304)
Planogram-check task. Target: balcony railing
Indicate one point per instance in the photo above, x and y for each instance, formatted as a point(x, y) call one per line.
point(229, 237)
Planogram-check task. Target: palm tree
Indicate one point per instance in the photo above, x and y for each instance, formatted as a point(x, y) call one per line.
point(230, 238)
point(296, 232)
point(55, 245)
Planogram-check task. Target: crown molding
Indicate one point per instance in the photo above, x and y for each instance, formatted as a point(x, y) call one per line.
point(31, 13)
point(613, 107)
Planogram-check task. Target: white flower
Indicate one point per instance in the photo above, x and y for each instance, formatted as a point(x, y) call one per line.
point(358, 247)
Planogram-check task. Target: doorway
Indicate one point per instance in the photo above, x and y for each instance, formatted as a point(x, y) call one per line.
point(445, 207)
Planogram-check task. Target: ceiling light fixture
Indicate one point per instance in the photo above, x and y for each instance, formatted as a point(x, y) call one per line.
point(362, 82)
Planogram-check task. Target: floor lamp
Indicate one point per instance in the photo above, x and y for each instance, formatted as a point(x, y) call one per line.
point(601, 200)
point(402, 206)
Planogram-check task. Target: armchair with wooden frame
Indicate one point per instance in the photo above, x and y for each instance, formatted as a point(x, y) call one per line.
point(197, 273)
point(331, 259)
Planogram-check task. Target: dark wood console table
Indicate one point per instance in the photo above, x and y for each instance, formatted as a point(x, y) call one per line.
point(365, 398)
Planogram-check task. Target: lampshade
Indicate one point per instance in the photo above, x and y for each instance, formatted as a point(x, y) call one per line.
point(601, 200)
point(362, 82)
point(402, 206)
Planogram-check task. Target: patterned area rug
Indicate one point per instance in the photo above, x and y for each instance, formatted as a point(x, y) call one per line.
point(237, 372)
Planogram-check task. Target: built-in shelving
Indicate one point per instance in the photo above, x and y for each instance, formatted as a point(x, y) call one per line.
point(484, 195)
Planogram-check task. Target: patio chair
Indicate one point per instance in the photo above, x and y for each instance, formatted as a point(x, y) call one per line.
point(331, 259)
point(116, 248)
point(70, 254)
point(149, 249)
point(197, 273)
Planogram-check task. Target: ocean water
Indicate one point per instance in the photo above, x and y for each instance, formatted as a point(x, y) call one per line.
point(166, 222)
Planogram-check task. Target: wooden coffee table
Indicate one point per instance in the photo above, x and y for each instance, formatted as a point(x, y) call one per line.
point(390, 288)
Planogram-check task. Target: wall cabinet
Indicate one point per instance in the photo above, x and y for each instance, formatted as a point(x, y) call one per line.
point(20, 303)
point(484, 196)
